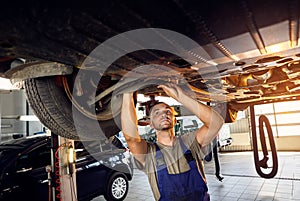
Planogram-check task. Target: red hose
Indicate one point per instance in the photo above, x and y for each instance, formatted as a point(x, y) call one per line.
point(58, 176)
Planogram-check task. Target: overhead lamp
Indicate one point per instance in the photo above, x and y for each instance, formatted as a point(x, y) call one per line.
point(71, 154)
point(5, 84)
point(71, 159)
point(28, 118)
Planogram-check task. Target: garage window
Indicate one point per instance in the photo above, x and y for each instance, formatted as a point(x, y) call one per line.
point(284, 117)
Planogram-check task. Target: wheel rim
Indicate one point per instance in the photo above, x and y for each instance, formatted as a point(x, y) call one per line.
point(102, 116)
point(119, 187)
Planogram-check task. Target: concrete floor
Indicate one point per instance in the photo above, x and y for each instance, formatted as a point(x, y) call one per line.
point(241, 181)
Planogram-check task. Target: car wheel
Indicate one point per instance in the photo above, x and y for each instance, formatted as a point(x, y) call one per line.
point(51, 105)
point(117, 187)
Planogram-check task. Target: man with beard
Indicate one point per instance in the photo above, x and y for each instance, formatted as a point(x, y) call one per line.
point(174, 165)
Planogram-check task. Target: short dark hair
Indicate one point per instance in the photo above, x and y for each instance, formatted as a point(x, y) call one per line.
point(156, 103)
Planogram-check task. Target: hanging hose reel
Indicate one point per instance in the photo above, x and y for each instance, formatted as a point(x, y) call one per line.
point(263, 163)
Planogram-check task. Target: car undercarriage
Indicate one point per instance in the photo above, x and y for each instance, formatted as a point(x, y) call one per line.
point(75, 61)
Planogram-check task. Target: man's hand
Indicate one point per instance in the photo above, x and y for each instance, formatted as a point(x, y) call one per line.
point(212, 121)
point(172, 90)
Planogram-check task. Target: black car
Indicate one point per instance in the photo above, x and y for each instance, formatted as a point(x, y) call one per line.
point(101, 169)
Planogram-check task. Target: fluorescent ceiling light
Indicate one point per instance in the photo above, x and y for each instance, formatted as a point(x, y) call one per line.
point(28, 118)
point(5, 84)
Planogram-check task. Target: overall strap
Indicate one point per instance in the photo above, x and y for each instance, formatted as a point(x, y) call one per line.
point(160, 161)
point(183, 147)
point(187, 153)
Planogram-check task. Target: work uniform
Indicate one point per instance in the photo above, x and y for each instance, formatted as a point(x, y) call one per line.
point(176, 172)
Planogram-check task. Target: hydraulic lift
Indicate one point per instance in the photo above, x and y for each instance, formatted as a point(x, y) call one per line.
point(62, 173)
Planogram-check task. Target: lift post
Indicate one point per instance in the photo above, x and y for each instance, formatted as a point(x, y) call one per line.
point(64, 174)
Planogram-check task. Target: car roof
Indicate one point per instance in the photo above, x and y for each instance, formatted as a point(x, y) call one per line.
point(24, 141)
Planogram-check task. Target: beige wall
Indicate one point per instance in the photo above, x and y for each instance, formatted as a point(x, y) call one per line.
point(240, 132)
point(290, 143)
point(243, 141)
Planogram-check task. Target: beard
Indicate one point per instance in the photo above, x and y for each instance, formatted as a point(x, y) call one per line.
point(162, 126)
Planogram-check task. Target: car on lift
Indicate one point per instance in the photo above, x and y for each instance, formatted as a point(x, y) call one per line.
point(75, 61)
point(101, 169)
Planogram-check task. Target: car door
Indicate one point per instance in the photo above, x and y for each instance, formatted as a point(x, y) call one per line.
point(91, 175)
point(27, 176)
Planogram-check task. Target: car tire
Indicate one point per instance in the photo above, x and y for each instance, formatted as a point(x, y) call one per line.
point(117, 187)
point(51, 105)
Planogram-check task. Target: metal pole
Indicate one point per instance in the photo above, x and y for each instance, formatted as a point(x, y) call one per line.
point(54, 147)
point(0, 117)
point(275, 118)
point(27, 122)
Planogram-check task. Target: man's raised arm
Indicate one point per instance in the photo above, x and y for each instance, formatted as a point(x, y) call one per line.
point(137, 146)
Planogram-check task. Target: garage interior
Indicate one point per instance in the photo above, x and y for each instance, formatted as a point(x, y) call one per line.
point(242, 56)
point(241, 181)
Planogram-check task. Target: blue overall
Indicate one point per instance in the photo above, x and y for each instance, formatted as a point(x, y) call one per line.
point(186, 186)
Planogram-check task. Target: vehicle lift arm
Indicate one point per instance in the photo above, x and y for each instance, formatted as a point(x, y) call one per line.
point(63, 172)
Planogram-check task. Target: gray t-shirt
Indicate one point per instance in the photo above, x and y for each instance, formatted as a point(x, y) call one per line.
point(174, 159)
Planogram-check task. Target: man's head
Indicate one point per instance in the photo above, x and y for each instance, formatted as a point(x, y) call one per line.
point(162, 116)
